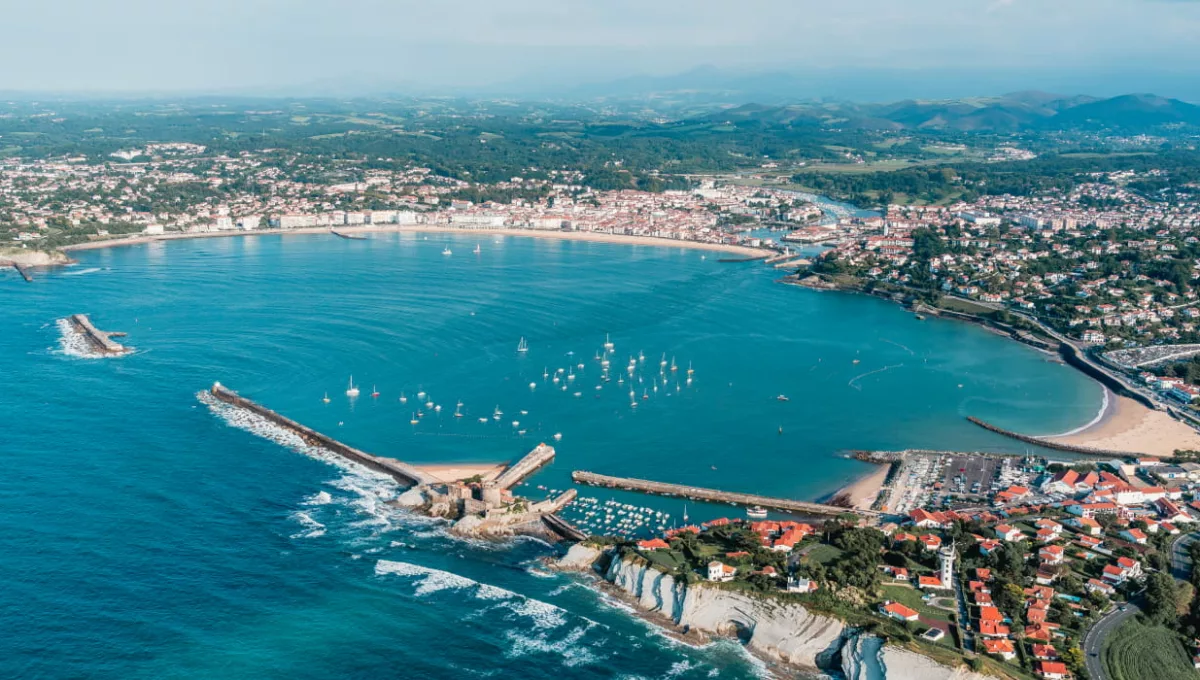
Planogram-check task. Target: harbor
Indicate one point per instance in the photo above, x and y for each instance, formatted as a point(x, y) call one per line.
point(481, 509)
point(715, 496)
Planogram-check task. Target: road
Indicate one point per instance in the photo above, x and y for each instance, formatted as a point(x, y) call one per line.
point(1093, 642)
point(1181, 565)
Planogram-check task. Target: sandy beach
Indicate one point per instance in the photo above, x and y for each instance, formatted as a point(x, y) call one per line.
point(596, 237)
point(863, 492)
point(1127, 425)
point(452, 472)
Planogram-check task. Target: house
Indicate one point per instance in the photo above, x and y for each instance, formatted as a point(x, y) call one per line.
point(1051, 670)
point(897, 573)
point(1001, 648)
point(801, 585)
point(989, 546)
point(993, 629)
point(1085, 525)
point(1008, 533)
point(898, 611)
point(924, 519)
point(931, 583)
point(931, 542)
point(1134, 536)
point(653, 544)
point(1098, 586)
point(1045, 652)
point(720, 573)
point(1090, 510)
point(1051, 554)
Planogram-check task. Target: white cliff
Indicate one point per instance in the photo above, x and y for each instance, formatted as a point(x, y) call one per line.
point(780, 630)
point(773, 628)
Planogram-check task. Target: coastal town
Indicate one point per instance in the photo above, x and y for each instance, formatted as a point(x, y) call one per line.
point(1014, 573)
point(1017, 566)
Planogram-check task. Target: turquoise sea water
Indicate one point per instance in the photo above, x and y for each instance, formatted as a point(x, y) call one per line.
point(144, 536)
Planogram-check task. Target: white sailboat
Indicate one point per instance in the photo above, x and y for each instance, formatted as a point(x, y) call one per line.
point(352, 391)
point(403, 399)
point(446, 251)
point(522, 346)
point(608, 345)
point(477, 250)
point(325, 398)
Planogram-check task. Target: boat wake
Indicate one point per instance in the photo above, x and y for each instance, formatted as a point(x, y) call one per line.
point(81, 272)
point(856, 378)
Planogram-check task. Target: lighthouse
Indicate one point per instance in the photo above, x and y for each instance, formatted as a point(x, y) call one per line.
point(946, 557)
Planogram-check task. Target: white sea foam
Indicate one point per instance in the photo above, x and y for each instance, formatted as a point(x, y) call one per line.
point(312, 528)
point(429, 580)
point(73, 343)
point(81, 272)
point(568, 648)
point(319, 498)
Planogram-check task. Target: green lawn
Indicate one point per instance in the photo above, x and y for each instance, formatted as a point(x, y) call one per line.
point(822, 554)
point(1138, 652)
point(911, 597)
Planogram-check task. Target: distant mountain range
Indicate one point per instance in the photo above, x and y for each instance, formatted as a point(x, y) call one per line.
point(1020, 111)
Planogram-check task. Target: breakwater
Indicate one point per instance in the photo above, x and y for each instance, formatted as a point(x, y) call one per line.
point(530, 463)
point(1050, 444)
point(401, 472)
point(713, 495)
point(98, 339)
point(23, 271)
point(350, 237)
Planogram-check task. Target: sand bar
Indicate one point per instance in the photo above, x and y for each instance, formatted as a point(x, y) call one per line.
point(593, 236)
point(1128, 425)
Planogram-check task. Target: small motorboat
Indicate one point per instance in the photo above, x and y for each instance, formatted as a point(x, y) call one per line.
point(756, 512)
point(782, 398)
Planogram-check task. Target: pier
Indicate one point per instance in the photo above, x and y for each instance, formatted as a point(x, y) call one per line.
point(351, 237)
point(401, 472)
point(539, 456)
point(97, 338)
point(23, 271)
point(715, 496)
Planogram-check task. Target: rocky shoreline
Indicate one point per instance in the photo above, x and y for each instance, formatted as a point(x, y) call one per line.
point(30, 258)
point(777, 631)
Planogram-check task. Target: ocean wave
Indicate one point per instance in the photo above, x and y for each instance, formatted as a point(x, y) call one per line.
point(568, 648)
point(319, 498)
point(313, 528)
point(429, 580)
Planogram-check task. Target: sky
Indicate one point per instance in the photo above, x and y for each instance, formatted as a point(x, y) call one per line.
point(542, 46)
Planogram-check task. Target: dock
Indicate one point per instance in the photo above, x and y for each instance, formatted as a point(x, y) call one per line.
point(23, 271)
point(400, 471)
point(351, 237)
point(102, 341)
point(715, 496)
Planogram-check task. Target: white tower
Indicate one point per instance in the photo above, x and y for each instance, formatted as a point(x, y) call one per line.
point(946, 557)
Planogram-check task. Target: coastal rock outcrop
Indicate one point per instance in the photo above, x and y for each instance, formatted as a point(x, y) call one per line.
point(780, 630)
point(773, 628)
point(29, 257)
point(579, 557)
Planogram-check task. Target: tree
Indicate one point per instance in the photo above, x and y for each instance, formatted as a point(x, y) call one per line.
point(1162, 599)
